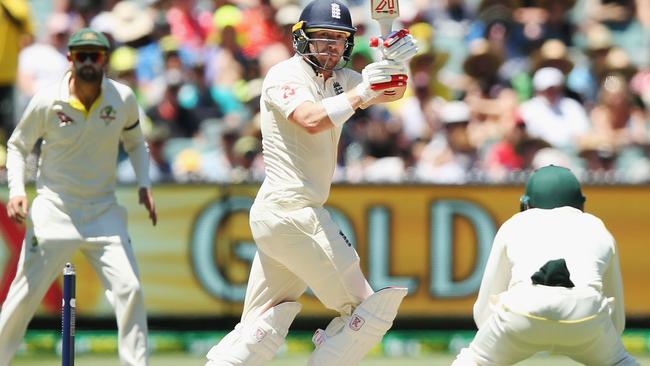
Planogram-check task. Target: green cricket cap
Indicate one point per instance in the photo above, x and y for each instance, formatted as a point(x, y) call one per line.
point(88, 37)
point(553, 186)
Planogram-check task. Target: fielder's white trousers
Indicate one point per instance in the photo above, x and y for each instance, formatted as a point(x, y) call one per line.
point(299, 248)
point(572, 322)
point(99, 231)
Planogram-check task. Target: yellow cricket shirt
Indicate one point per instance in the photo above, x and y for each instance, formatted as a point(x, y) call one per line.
point(79, 151)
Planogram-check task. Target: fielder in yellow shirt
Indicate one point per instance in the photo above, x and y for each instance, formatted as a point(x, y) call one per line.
point(81, 122)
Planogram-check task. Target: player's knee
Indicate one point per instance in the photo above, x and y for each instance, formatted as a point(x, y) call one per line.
point(347, 340)
point(256, 343)
point(128, 288)
point(133, 286)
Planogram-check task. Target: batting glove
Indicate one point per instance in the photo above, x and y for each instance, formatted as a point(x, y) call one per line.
point(397, 46)
point(380, 76)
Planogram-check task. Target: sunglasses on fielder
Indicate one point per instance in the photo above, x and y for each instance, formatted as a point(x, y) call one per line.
point(81, 56)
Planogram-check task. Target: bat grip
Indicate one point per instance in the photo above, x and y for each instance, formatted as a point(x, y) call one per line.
point(385, 26)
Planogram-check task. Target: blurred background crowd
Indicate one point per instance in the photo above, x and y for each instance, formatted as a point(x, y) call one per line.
point(499, 87)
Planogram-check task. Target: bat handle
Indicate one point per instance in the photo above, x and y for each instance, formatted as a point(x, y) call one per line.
point(385, 26)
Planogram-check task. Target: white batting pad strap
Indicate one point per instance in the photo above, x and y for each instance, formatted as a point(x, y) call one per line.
point(255, 344)
point(347, 345)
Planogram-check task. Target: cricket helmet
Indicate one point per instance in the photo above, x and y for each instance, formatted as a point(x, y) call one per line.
point(323, 15)
point(550, 187)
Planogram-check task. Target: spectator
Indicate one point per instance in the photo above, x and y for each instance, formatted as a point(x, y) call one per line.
point(383, 159)
point(189, 25)
point(546, 19)
point(15, 32)
point(550, 115)
point(619, 135)
point(134, 27)
point(417, 111)
point(122, 67)
point(621, 18)
point(180, 121)
point(33, 73)
point(505, 156)
point(159, 168)
point(260, 28)
point(448, 157)
point(584, 78)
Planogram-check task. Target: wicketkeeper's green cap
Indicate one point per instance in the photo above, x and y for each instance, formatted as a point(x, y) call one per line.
point(88, 37)
point(553, 186)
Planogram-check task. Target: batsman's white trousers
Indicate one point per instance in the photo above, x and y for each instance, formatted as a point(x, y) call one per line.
point(530, 319)
point(299, 248)
point(55, 230)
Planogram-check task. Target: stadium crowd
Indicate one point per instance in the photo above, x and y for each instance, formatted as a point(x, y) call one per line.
point(499, 87)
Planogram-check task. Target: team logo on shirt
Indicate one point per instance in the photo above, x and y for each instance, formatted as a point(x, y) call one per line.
point(288, 91)
point(64, 119)
point(107, 114)
point(338, 89)
point(34, 246)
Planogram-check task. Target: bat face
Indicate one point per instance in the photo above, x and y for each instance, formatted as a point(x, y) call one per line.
point(384, 9)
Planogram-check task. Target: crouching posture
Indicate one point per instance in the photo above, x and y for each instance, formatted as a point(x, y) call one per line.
point(552, 283)
point(305, 101)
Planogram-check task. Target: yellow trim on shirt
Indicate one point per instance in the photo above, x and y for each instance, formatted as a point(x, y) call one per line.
point(537, 317)
point(76, 104)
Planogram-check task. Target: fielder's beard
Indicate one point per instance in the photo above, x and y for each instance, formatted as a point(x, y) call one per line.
point(88, 74)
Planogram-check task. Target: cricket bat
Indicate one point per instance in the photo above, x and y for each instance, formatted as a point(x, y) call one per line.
point(384, 12)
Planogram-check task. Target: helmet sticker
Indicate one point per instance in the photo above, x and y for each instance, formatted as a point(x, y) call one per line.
point(336, 11)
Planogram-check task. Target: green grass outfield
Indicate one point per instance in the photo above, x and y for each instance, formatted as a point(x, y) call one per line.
point(192, 360)
point(399, 347)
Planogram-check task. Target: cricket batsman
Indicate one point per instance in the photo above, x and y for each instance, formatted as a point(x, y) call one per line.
point(81, 121)
point(305, 102)
point(552, 282)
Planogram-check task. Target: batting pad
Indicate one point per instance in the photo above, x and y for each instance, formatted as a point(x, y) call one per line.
point(347, 340)
point(255, 344)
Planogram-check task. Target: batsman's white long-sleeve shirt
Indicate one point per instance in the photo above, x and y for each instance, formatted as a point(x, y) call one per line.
point(529, 239)
point(79, 151)
point(299, 165)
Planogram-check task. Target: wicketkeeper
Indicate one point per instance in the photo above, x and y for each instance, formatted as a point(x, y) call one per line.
point(552, 282)
point(81, 121)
